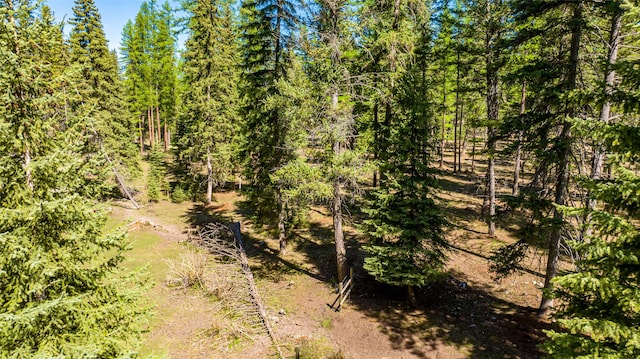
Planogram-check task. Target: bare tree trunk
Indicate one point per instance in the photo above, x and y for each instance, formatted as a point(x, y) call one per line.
point(209, 178)
point(462, 143)
point(140, 121)
point(341, 249)
point(564, 150)
point(457, 116)
point(158, 127)
point(473, 151)
point(444, 115)
point(166, 136)
point(518, 160)
point(151, 130)
point(492, 117)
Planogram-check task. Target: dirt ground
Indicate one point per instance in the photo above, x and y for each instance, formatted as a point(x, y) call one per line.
point(465, 315)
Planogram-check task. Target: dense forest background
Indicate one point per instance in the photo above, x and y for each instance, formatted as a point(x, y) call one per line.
point(342, 104)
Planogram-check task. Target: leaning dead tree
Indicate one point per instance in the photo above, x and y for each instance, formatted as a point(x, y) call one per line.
point(225, 243)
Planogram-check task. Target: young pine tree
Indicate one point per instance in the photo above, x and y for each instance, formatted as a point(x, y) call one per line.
point(405, 224)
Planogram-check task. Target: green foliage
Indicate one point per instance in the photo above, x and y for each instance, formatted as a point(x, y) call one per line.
point(63, 294)
point(156, 182)
point(179, 195)
point(600, 315)
point(208, 126)
point(96, 87)
point(506, 259)
point(405, 225)
point(270, 125)
point(406, 240)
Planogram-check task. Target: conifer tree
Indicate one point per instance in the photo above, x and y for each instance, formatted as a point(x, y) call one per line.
point(148, 51)
point(210, 120)
point(405, 225)
point(342, 163)
point(600, 314)
point(97, 86)
point(268, 134)
point(62, 295)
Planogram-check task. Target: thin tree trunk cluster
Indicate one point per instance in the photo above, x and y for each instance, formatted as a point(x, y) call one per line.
point(158, 132)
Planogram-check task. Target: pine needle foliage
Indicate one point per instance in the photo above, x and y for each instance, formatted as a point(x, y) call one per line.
point(405, 226)
point(97, 89)
point(62, 292)
point(209, 124)
point(600, 317)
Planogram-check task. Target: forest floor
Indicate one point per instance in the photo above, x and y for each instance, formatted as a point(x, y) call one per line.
point(465, 315)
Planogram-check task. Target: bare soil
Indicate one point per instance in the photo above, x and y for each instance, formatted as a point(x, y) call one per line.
point(466, 314)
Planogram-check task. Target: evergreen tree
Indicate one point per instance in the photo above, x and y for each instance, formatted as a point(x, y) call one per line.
point(210, 122)
point(150, 68)
point(62, 294)
point(342, 163)
point(405, 224)
point(600, 314)
point(98, 87)
point(268, 134)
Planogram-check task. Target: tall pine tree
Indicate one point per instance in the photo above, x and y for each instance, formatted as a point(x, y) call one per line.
point(62, 293)
point(210, 120)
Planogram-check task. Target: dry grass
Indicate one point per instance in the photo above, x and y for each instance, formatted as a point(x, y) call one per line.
point(189, 271)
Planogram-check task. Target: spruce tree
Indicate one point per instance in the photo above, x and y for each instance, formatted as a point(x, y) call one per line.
point(599, 315)
point(268, 133)
point(62, 293)
point(98, 90)
point(600, 311)
point(209, 124)
point(405, 225)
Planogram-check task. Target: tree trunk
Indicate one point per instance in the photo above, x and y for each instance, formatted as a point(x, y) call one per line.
point(462, 143)
point(491, 179)
point(340, 140)
point(166, 136)
point(492, 116)
point(444, 115)
point(518, 160)
point(562, 183)
point(411, 296)
point(457, 118)
point(209, 179)
point(282, 218)
point(151, 130)
point(140, 121)
point(473, 150)
point(341, 250)
point(605, 112)
point(158, 127)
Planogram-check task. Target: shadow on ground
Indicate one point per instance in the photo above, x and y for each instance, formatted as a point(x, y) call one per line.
point(450, 312)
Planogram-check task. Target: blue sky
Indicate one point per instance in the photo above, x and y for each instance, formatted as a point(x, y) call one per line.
point(114, 13)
